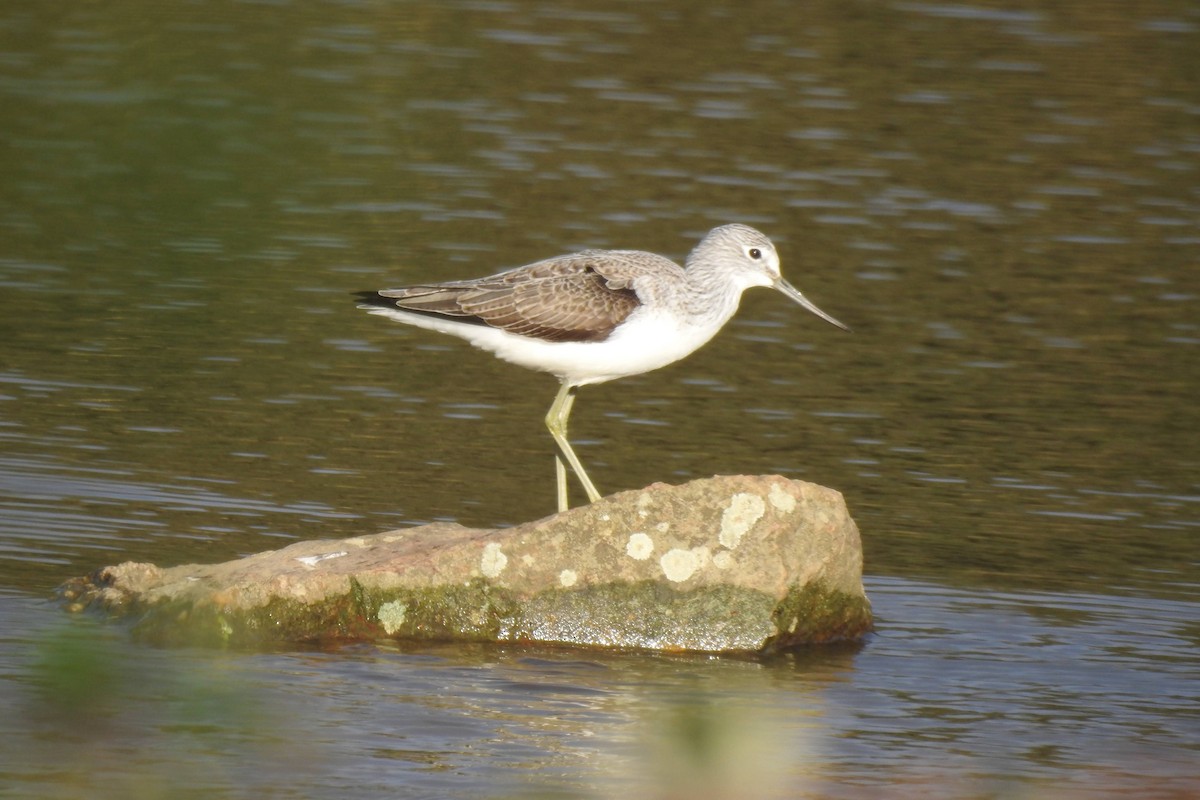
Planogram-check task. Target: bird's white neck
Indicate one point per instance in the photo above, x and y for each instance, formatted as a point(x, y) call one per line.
point(713, 292)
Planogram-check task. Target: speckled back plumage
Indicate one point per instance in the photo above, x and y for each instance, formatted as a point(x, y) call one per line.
point(580, 297)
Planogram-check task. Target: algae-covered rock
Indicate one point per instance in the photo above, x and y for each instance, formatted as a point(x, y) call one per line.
point(736, 563)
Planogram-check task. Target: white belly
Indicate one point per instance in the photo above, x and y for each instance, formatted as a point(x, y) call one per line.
point(644, 342)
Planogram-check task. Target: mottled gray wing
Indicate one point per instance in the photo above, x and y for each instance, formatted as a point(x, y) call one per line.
point(574, 298)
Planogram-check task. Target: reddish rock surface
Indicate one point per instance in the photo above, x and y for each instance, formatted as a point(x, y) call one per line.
point(726, 564)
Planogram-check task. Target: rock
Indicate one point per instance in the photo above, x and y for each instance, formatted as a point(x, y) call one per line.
point(727, 564)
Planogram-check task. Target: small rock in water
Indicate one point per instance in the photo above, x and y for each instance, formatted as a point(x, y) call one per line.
point(726, 564)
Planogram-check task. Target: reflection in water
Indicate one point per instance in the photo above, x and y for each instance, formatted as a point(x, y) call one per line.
point(1007, 698)
point(1002, 200)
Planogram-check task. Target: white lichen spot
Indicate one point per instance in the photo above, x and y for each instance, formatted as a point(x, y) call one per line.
point(494, 561)
point(643, 504)
point(723, 560)
point(640, 546)
point(679, 565)
point(783, 500)
point(311, 561)
point(567, 578)
point(744, 510)
point(391, 616)
point(662, 527)
point(528, 560)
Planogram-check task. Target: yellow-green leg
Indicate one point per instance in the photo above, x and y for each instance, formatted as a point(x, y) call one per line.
point(556, 421)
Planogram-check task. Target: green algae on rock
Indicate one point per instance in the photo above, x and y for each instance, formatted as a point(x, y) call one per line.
point(728, 564)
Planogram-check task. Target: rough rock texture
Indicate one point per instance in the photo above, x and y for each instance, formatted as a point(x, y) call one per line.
point(737, 563)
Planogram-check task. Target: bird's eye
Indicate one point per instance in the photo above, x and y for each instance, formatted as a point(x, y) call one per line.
point(754, 253)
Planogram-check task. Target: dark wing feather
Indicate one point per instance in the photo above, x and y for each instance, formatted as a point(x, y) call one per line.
point(577, 298)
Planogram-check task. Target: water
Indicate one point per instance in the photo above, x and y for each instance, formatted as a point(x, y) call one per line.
point(1033, 694)
point(1000, 201)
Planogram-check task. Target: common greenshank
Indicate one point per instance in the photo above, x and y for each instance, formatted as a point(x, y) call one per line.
point(596, 315)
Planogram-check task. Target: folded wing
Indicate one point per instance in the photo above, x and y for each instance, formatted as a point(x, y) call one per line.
point(575, 298)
